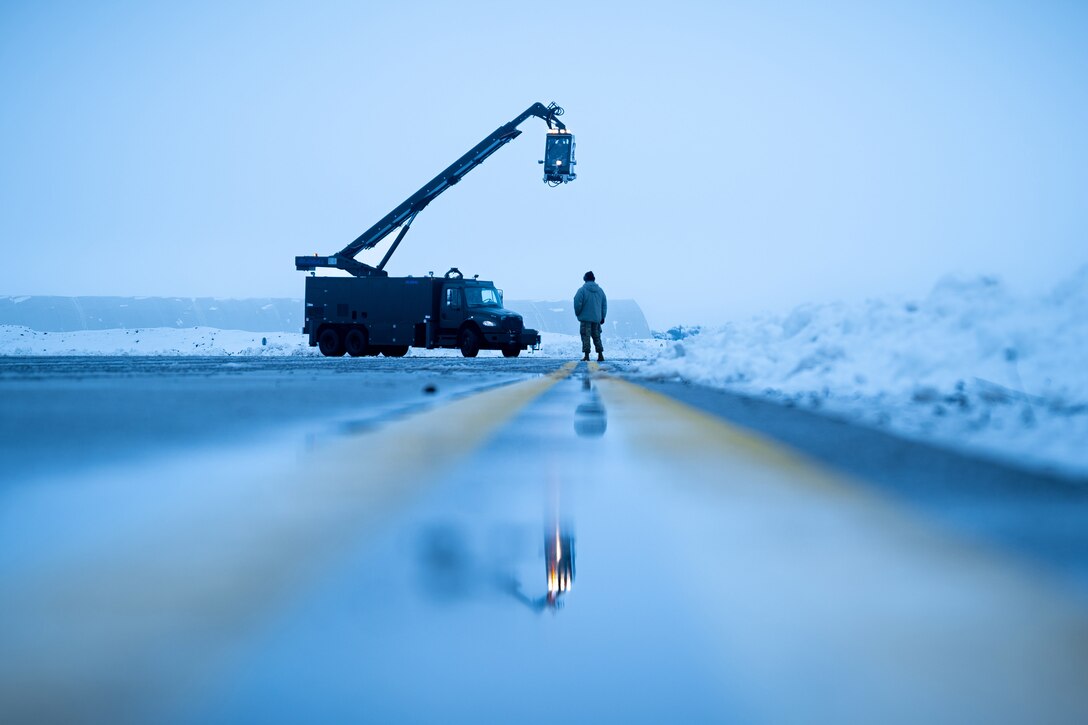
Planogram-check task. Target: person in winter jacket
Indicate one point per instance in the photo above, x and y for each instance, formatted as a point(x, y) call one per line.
point(591, 308)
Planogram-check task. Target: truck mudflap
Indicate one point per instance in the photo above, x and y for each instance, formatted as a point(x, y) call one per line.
point(530, 339)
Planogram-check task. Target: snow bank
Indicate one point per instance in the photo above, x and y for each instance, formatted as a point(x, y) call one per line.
point(18, 340)
point(969, 366)
point(569, 347)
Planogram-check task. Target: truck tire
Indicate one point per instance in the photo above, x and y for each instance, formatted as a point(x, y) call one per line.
point(395, 350)
point(470, 342)
point(330, 343)
point(511, 351)
point(355, 342)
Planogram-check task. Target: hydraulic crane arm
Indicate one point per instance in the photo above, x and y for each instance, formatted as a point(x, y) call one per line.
point(405, 213)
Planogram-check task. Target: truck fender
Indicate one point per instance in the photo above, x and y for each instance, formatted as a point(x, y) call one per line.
point(470, 325)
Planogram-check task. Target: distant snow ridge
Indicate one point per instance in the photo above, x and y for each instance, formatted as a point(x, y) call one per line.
point(69, 314)
point(970, 365)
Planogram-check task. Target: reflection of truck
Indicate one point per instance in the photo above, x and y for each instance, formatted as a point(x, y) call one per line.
point(371, 312)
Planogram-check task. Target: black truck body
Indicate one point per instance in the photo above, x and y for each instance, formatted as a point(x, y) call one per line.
point(387, 315)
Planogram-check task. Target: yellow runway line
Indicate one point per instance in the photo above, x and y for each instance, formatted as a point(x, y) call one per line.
point(112, 631)
point(827, 602)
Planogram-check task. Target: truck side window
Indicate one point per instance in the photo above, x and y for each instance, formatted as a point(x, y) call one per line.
point(453, 298)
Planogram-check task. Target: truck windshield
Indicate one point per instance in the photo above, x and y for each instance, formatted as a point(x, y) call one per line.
point(483, 297)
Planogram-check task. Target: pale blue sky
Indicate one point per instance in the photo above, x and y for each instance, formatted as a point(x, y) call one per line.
point(733, 156)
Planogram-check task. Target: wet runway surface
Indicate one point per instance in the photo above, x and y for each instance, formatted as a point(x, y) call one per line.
point(566, 545)
point(69, 413)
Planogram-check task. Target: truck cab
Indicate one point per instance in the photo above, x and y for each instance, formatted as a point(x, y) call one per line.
point(472, 316)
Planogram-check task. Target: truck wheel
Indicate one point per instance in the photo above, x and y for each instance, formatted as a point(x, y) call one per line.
point(511, 351)
point(355, 342)
point(330, 343)
point(395, 351)
point(470, 342)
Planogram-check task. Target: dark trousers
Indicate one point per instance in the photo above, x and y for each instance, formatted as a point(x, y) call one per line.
point(591, 330)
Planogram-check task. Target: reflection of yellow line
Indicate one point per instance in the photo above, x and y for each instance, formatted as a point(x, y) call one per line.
point(828, 603)
point(106, 636)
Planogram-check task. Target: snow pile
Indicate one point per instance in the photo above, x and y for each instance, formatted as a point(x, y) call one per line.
point(18, 340)
point(969, 366)
point(569, 347)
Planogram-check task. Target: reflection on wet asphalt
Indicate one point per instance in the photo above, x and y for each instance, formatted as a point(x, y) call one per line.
point(711, 587)
point(63, 414)
point(590, 417)
point(604, 555)
point(475, 605)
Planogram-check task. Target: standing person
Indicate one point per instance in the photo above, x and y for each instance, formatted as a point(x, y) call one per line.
point(591, 307)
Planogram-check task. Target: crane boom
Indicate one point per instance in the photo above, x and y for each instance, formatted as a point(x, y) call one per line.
point(405, 213)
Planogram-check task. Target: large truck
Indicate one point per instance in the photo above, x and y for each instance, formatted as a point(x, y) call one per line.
point(387, 315)
point(371, 313)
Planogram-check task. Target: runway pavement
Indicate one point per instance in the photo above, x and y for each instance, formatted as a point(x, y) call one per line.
point(549, 543)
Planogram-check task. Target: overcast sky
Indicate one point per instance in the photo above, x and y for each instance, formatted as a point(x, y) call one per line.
point(733, 157)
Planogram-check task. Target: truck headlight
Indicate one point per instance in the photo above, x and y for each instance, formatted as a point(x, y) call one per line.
point(487, 323)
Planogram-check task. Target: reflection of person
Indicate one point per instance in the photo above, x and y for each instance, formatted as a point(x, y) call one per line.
point(591, 308)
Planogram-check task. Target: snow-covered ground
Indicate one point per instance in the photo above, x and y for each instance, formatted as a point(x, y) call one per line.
point(16, 340)
point(972, 365)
